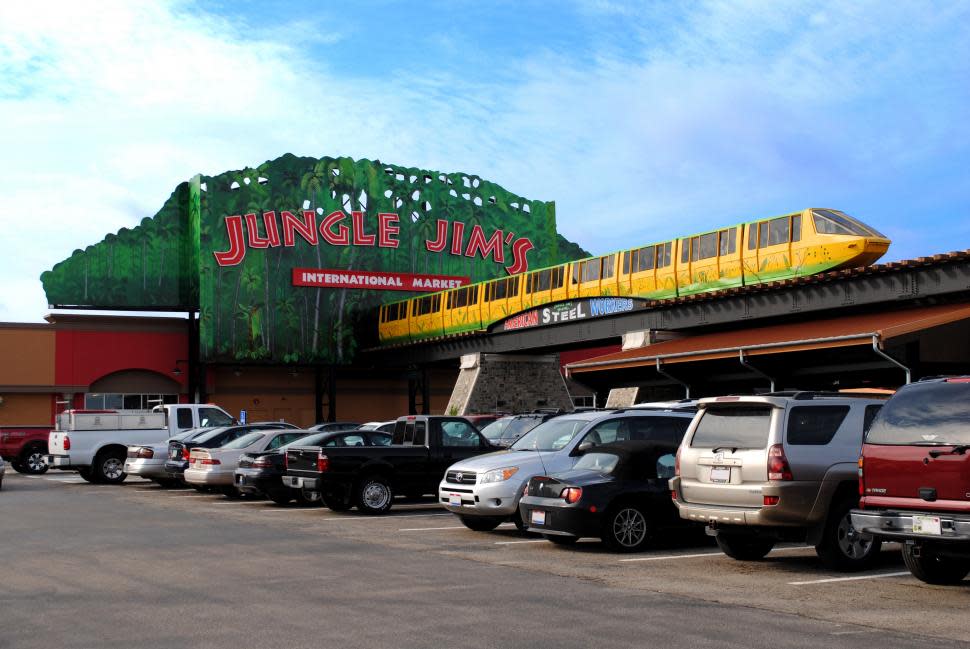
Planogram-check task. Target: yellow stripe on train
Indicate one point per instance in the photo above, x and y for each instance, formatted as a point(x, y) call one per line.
point(803, 243)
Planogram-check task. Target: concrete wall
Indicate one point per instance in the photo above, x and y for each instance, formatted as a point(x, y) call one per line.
point(506, 383)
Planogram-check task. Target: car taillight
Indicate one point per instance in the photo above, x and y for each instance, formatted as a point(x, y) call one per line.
point(571, 494)
point(673, 494)
point(145, 453)
point(323, 462)
point(67, 443)
point(862, 480)
point(286, 461)
point(185, 452)
point(209, 461)
point(771, 500)
point(778, 468)
point(262, 463)
point(677, 462)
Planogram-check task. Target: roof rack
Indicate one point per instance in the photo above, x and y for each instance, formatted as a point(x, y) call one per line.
point(808, 395)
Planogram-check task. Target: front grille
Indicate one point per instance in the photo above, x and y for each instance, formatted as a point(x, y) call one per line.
point(460, 477)
point(460, 491)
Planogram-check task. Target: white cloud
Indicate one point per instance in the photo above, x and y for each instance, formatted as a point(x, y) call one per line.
point(719, 113)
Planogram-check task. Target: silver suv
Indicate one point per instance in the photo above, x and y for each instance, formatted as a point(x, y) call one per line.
point(778, 467)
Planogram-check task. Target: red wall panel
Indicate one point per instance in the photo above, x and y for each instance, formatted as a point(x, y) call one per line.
point(83, 357)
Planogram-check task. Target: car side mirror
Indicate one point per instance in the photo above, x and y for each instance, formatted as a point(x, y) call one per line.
point(585, 447)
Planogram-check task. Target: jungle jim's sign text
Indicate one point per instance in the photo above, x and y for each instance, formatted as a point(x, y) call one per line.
point(244, 232)
point(362, 279)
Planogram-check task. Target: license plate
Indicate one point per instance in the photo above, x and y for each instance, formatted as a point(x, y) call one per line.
point(454, 500)
point(927, 525)
point(720, 474)
point(538, 517)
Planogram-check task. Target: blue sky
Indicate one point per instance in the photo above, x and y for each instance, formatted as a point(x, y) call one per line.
point(641, 120)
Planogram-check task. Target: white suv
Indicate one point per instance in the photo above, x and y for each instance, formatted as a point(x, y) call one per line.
point(782, 466)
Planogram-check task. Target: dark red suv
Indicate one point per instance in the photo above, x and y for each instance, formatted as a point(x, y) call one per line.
point(914, 478)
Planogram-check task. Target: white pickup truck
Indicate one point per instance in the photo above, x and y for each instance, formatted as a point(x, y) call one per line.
point(95, 442)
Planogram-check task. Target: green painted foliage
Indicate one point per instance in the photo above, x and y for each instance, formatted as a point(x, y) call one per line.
point(252, 311)
point(146, 267)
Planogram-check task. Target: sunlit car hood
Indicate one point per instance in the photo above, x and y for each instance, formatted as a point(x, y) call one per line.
point(501, 459)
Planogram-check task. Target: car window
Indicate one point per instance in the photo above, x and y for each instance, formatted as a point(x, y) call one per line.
point(599, 462)
point(456, 433)
point(379, 440)
point(495, 429)
point(871, 412)
point(183, 417)
point(924, 413)
point(614, 430)
point(551, 435)
point(733, 427)
point(244, 440)
point(282, 440)
point(337, 440)
point(210, 435)
point(520, 426)
point(665, 466)
point(814, 425)
point(354, 440)
point(420, 433)
point(213, 417)
point(659, 429)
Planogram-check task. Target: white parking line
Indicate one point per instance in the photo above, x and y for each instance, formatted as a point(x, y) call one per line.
point(703, 554)
point(857, 578)
point(430, 529)
point(517, 542)
point(379, 518)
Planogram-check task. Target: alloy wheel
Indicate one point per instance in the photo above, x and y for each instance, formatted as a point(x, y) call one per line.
point(853, 544)
point(376, 495)
point(113, 468)
point(629, 527)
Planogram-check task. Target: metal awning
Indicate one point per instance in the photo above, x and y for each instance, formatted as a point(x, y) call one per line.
point(872, 329)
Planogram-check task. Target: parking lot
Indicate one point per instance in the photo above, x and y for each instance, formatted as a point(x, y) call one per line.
point(136, 565)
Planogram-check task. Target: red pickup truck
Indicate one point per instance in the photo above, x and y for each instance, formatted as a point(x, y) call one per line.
point(25, 447)
point(914, 478)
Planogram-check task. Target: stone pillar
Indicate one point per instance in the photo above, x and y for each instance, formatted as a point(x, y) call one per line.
point(507, 383)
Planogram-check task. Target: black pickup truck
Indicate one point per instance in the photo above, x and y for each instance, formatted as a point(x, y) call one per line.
point(422, 448)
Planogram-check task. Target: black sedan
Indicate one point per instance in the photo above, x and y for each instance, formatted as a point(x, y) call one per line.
point(178, 451)
point(262, 473)
point(616, 492)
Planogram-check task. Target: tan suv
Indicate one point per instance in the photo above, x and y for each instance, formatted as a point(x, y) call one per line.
point(777, 467)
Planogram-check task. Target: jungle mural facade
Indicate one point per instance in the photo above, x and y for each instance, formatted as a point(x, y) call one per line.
point(286, 262)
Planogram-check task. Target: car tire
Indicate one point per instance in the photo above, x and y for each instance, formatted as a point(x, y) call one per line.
point(230, 492)
point(481, 523)
point(744, 547)
point(931, 568)
point(841, 547)
point(374, 495)
point(519, 522)
point(109, 467)
point(87, 475)
point(17, 466)
point(560, 540)
point(336, 504)
point(32, 460)
point(281, 496)
point(626, 528)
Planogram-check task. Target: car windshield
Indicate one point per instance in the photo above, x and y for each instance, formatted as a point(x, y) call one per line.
point(520, 426)
point(599, 462)
point(209, 434)
point(550, 436)
point(733, 427)
point(495, 429)
point(244, 441)
point(314, 439)
point(932, 414)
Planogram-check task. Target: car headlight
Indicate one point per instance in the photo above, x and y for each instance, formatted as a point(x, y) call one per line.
point(498, 475)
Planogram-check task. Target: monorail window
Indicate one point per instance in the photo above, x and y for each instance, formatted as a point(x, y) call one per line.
point(663, 254)
point(501, 289)
point(752, 236)
point(778, 231)
point(609, 264)
point(626, 262)
point(835, 222)
point(796, 228)
point(395, 311)
point(706, 246)
point(462, 297)
point(645, 258)
point(684, 251)
point(426, 305)
point(729, 241)
point(558, 277)
point(538, 281)
point(591, 270)
point(575, 274)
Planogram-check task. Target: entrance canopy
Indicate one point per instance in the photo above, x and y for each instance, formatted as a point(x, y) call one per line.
point(886, 347)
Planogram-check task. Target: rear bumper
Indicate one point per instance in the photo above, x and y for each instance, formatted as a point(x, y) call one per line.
point(898, 525)
point(255, 481)
point(299, 482)
point(175, 468)
point(151, 469)
point(561, 520)
point(795, 501)
point(208, 478)
point(58, 461)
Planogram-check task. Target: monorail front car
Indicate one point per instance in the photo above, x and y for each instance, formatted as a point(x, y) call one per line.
point(803, 243)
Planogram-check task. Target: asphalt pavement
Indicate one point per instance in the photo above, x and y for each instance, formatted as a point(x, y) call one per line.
point(135, 566)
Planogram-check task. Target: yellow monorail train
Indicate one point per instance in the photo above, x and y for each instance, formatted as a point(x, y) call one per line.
point(803, 243)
